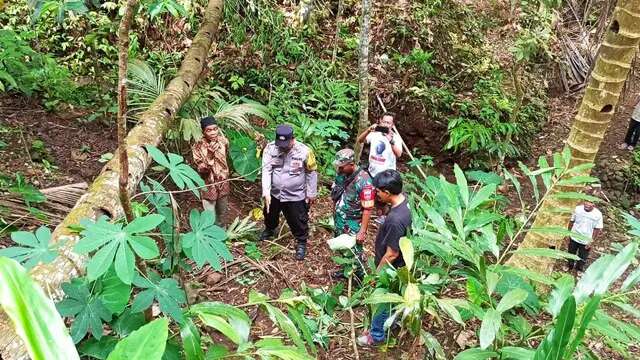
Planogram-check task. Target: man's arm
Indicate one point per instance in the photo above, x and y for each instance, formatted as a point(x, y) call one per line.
point(389, 256)
point(396, 144)
point(311, 177)
point(367, 201)
point(570, 225)
point(362, 137)
point(267, 171)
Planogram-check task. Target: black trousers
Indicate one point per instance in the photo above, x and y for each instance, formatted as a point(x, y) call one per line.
point(295, 212)
point(581, 251)
point(633, 134)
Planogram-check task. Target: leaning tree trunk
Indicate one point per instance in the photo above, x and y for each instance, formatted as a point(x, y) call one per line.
point(363, 73)
point(123, 58)
point(594, 115)
point(102, 196)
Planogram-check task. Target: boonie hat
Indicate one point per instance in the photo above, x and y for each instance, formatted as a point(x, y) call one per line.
point(344, 157)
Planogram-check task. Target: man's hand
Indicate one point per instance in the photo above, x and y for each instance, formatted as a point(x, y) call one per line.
point(310, 200)
point(372, 127)
point(267, 202)
point(361, 236)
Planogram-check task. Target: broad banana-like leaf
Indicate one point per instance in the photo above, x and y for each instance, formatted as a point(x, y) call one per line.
point(146, 343)
point(406, 247)
point(33, 314)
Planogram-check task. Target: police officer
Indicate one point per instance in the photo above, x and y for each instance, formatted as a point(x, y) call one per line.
point(289, 185)
point(354, 197)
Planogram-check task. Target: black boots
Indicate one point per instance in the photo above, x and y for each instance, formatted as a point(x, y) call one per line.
point(266, 235)
point(301, 251)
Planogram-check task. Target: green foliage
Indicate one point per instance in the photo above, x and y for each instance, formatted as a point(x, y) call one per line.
point(156, 8)
point(166, 292)
point(205, 243)
point(148, 342)
point(117, 245)
point(181, 173)
point(243, 152)
point(36, 247)
point(87, 310)
point(33, 315)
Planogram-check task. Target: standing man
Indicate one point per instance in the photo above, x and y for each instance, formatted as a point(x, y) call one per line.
point(354, 197)
point(586, 220)
point(385, 145)
point(633, 133)
point(210, 157)
point(388, 185)
point(289, 185)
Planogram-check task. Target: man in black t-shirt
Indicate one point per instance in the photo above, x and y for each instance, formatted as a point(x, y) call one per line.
point(388, 186)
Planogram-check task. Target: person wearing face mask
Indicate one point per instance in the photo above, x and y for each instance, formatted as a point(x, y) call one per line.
point(210, 157)
point(353, 196)
point(289, 185)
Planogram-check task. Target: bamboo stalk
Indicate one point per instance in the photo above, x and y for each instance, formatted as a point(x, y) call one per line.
point(102, 196)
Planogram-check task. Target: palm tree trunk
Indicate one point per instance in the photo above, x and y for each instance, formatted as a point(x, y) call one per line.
point(594, 115)
point(102, 198)
point(363, 73)
point(123, 58)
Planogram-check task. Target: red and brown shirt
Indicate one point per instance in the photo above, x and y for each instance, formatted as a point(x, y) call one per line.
point(210, 158)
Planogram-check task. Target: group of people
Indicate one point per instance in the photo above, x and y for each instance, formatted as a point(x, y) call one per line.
point(359, 193)
point(290, 186)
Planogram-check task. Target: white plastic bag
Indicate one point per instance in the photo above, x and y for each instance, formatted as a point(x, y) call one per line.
point(342, 242)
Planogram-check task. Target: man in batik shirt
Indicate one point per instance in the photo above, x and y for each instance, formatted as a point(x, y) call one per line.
point(354, 196)
point(210, 157)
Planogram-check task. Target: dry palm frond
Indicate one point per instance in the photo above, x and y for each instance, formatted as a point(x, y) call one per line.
point(240, 229)
point(144, 85)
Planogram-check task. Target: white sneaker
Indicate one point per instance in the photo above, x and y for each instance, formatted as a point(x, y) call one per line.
point(623, 146)
point(630, 148)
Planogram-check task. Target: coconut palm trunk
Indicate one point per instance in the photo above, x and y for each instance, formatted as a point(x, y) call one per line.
point(363, 73)
point(102, 197)
point(597, 108)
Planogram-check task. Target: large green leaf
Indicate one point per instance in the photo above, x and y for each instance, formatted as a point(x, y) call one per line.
point(516, 353)
point(114, 293)
point(545, 252)
point(475, 354)
point(128, 322)
point(87, 310)
point(205, 242)
point(166, 291)
point(559, 295)
point(510, 281)
point(37, 248)
point(603, 272)
point(285, 324)
point(98, 349)
point(146, 343)
point(181, 174)
point(116, 245)
point(243, 152)
point(461, 181)
point(489, 328)
point(33, 315)
point(191, 341)
point(299, 320)
point(482, 196)
point(553, 346)
point(511, 299)
point(237, 320)
point(587, 316)
point(406, 247)
point(267, 349)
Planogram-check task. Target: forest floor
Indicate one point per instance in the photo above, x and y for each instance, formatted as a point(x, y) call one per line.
point(73, 149)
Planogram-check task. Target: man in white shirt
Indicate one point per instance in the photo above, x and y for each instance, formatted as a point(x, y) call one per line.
point(586, 221)
point(385, 145)
point(633, 133)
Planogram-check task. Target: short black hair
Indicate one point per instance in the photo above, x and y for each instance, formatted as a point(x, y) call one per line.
point(389, 113)
point(388, 180)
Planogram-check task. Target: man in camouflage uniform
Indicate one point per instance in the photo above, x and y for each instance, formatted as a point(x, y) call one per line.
point(354, 197)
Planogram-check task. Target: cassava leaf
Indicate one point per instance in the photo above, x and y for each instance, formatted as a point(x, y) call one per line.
point(87, 310)
point(180, 173)
point(166, 291)
point(36, 248)
point(205, 243)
